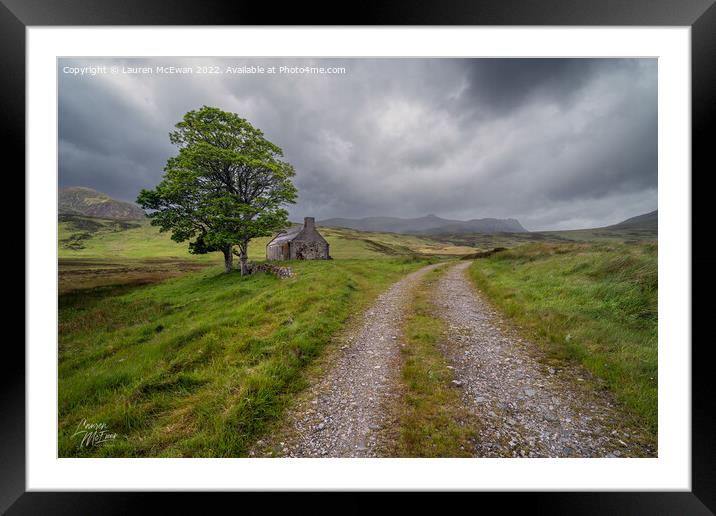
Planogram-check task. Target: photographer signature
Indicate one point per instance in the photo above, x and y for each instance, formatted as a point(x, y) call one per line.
point(93, 434)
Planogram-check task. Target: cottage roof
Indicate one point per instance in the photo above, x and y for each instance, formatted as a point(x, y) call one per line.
point(286, 236)
point(305, 233)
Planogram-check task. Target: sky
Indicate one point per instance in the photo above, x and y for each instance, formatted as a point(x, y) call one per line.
point(554, 143)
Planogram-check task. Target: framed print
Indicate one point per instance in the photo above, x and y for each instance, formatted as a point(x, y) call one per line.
point(420, 253)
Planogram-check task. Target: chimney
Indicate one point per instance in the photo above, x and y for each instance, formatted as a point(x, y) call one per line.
point(309, 222)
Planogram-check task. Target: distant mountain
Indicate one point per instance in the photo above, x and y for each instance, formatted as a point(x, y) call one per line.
point(428, 225)
point(80, 200)
point(650, 219)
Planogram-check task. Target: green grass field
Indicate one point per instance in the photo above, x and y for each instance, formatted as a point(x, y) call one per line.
point(200, 365)
point(98, 253)
point(595, 303)
point(90, 238)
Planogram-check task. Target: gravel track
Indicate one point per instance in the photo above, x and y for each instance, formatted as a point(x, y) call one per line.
point(343, 414)
point(523, 407)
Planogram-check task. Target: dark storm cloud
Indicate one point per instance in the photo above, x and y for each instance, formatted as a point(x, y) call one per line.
point(553, 142)
point(503, 85)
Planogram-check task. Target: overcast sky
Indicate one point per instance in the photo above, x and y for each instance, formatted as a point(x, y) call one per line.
point(554, 143)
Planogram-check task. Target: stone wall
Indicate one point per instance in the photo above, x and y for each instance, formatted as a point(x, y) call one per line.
point(309, 250)
point(276, 270)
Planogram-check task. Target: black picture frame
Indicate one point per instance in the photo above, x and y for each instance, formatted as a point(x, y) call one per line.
point(700, 15)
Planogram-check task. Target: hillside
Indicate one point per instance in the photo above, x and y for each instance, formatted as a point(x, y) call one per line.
point(80, 200)
point(95, 252)
point(647, 220)
point(87, 237)
point(428, 225)
point(636, 229)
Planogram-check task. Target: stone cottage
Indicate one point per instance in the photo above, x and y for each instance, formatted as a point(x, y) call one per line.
point(299, 243)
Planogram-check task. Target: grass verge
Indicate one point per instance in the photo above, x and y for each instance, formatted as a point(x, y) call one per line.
point(432, 420)
point(200, 365)
point(593, 303)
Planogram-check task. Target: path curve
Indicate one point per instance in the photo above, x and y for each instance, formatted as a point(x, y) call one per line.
point(344, 412)
point(522, 406)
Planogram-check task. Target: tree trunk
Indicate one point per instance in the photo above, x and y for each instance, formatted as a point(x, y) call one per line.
point(228, 259)
point(244, 257)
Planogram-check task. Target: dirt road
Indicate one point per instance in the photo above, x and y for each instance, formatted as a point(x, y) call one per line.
point(343, 413)
point(523, 407)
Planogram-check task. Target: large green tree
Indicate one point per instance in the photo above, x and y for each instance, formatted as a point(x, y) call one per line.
point(227, 185)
